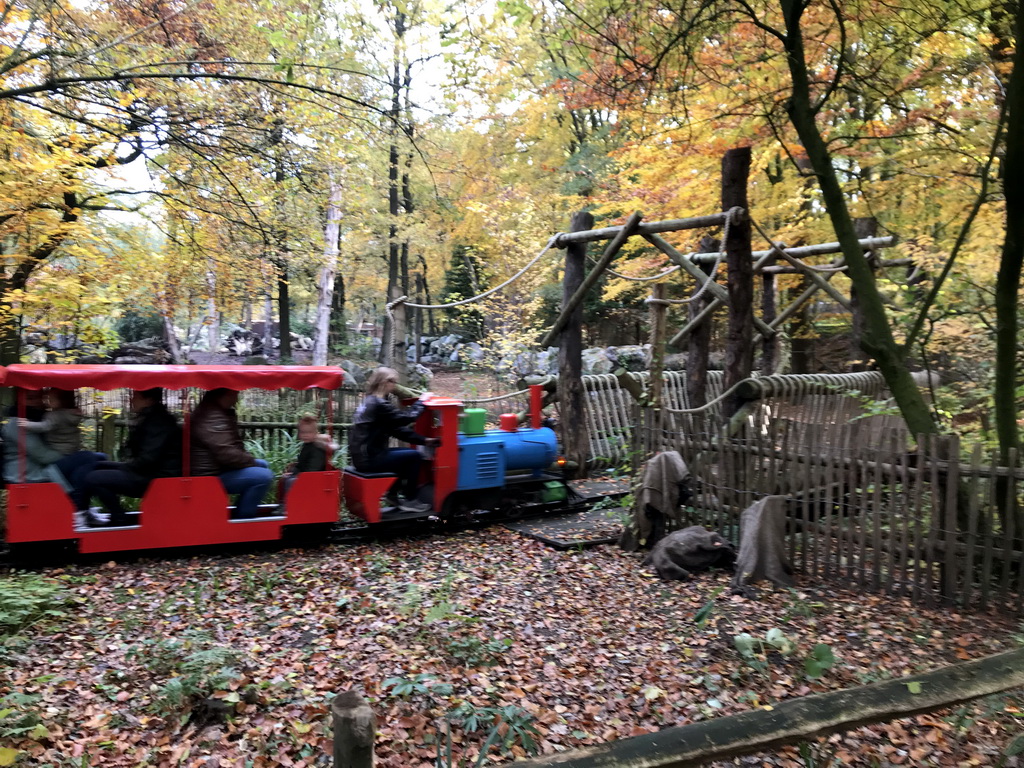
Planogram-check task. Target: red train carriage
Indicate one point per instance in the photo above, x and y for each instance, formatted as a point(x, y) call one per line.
point(177, 511)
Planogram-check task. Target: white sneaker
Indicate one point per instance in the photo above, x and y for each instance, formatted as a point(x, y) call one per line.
point(99, 515)
point(81, 519)
point(413, 505)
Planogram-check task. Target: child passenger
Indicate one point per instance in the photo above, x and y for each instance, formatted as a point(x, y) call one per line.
point(61, 424)
point(315, 454)
point(61, 429)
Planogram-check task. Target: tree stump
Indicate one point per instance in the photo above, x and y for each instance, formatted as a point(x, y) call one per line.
point(354, 730)
point(763, 545)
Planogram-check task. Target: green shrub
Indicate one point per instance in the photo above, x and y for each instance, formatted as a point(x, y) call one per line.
point(196, 669)
point(27, 598)
point(135, 326)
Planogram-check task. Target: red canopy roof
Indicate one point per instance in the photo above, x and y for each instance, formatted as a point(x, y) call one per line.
point(207, 377)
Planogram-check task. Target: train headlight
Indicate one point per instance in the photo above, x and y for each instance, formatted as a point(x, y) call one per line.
point(560, 461)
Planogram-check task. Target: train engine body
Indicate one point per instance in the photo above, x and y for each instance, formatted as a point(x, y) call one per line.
point(506, 470)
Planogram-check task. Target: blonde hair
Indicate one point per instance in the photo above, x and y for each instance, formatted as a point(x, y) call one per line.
point(378, 381)
point(308, 420)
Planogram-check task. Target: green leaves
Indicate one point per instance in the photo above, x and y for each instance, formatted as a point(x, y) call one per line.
point(29, 598)
point(819, 659)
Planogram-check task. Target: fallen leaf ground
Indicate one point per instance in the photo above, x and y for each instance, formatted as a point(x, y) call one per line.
point(585, 645)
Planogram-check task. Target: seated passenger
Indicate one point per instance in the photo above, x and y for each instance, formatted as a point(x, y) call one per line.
point(152, 450)
point(217, 449)
point(376, 420)
point(40, 460)
point(61, 428)
point(315, 454)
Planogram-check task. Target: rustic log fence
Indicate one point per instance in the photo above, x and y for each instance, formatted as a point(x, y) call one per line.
point(867, 503)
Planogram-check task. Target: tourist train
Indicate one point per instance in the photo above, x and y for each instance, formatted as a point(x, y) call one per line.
point(474, 473)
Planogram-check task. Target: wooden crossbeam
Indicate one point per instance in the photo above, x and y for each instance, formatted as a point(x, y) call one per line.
point(650, 228)
point(610, 252)
point(713, 288)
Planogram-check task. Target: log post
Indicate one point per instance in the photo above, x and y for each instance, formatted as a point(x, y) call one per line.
point(354, 727)
point(864, 227)
point(699, 348)
point(575, 440)
point(571, 303)
point(769, 344)
point(658, 312)
point(739, 352)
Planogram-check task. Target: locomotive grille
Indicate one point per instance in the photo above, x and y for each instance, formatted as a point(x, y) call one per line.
point(488, 466)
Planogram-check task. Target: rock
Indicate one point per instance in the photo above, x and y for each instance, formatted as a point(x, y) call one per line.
point(595, 361)
point(353, 373)
point(129, 360)
point(474, 352)
point(675, 362)
point(419, 377)
point(633, 358)
point(92, 360)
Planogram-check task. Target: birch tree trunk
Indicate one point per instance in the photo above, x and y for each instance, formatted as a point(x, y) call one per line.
point(327, 274)
point(212, 315)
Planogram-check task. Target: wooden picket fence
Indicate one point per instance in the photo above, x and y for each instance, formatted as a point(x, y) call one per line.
point(868, 505)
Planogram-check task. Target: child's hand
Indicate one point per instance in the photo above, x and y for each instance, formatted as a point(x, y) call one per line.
point(23, 423)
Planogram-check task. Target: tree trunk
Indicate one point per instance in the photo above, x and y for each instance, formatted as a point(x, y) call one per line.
point(877, 341)
point(268, 325)
point(284, 313)
point(739, 352)
point(328, 274)
point(212, 315)
point(338, 325)
point(1012, 259)
point(864, 227)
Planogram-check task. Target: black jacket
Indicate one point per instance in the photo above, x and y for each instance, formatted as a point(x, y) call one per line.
point(375, 421)
point(153, 448)
point(312, 458)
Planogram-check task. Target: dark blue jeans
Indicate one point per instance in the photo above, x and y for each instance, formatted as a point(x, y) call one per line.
point(251, 485)
point(111, 480)
point(404, 462)
point(75, 467)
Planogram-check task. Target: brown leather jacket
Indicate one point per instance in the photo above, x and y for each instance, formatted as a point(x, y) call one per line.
point(216, 445)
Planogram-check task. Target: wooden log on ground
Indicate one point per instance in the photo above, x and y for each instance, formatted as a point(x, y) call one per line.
point(354, 727)
point(808, 717)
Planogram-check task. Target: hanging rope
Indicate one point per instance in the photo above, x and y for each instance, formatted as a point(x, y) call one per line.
point(778, 248)
point(389, 307)
point(729, 215)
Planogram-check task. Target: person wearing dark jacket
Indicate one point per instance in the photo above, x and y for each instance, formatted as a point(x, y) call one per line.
point(217, 449)
point(153, 449)
point(378, 419)
point(315, 454)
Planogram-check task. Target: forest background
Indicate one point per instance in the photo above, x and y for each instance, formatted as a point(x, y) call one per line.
point(215, 162)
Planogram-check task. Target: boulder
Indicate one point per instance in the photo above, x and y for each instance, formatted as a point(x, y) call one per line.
point(596, 361)
point(419, 377)
point(633, 358)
